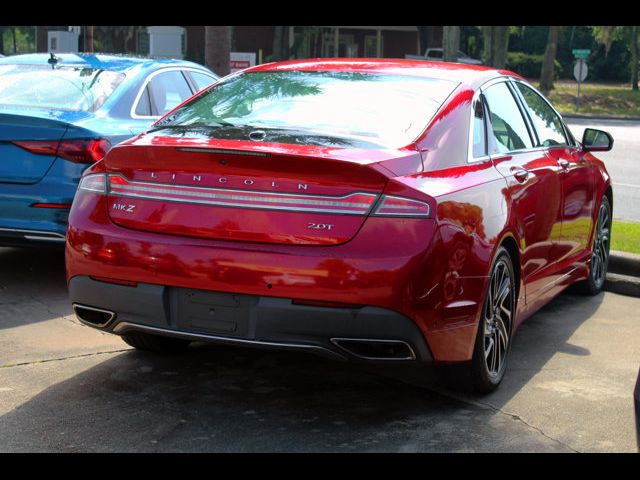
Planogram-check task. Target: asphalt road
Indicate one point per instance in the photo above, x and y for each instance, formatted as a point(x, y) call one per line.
point(622, 162)
point(67, 388)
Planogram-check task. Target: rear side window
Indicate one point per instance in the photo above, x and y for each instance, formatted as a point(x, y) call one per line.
point(201, 80)
point(547, 124)
point(167, 91)
point(508, 125)
point(479, 132)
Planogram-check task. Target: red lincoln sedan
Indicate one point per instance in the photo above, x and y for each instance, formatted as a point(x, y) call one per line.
point(368, 210)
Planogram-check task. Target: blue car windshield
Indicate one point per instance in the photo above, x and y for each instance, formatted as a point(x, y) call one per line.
point(64, 88)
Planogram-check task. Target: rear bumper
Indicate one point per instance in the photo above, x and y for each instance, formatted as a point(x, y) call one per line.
point(398, 266)
point(22, 224)
point(359, 334)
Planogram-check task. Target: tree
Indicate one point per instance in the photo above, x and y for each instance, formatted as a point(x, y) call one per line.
point(217, 48)
point(634, 34)
point(88, 41)
point(496, 43)
point(628, 34)
point(450, 43)
point(547, 73)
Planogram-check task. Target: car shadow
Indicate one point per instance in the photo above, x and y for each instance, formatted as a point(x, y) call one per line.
point(223, 399)
point(216, 398)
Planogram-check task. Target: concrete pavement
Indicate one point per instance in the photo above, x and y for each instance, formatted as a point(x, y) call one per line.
point(65, 387)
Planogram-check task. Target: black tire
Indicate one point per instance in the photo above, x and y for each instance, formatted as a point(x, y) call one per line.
point(486, 369)
point(599, 262)
point(155, 343)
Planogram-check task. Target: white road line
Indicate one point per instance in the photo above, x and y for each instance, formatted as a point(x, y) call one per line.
point(626, 185)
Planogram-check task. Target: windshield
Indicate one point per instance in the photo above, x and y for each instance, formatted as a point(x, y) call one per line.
point(66, 88)
point(388, 110)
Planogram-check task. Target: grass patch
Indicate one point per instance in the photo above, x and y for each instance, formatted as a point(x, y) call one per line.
point(596, 98)
point(625, 236)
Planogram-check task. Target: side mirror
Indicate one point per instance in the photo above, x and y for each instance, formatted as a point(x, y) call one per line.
point(596, 140)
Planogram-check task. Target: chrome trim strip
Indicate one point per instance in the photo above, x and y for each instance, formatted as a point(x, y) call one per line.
point(124, 327)
point(146, 81)
point(36, 234)
point(217, 196)
point(47, 239)
point(112, 315)
point(335, 341)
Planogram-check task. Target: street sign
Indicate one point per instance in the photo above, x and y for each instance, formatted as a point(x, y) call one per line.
point(580, 53)
point(580, 70)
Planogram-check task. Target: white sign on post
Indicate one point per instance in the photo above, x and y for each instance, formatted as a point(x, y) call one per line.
point(242, 60)
point(580, 70)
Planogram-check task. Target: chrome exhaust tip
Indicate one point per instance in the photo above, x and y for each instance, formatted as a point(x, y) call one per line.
point(94, 317)
point(375, 349)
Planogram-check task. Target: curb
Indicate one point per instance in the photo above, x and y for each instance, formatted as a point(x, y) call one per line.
point(623, 275)
point(577, 116)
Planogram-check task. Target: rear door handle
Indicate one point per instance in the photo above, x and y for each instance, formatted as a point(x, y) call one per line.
point(520, 173)
point(564, 164)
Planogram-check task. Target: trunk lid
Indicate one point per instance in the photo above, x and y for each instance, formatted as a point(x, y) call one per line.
point(243, 191)
point(18, 164)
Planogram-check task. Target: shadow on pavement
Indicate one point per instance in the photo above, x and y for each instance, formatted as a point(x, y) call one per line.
point(225, 399)
point(230, 399)
point(28, 275)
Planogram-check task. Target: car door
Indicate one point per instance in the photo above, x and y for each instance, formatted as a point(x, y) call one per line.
point(575, 176)
point(533, 186)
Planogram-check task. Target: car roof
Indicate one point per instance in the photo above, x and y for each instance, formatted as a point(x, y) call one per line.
point(117, 63)
point(470, 75)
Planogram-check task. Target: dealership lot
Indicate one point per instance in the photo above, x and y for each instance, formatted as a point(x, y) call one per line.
point(65, 387)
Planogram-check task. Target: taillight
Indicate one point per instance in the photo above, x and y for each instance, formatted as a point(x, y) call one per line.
point(402, 207)
point(96, 183)
point(77, 151)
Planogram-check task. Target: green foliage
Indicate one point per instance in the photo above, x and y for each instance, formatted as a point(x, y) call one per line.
point(528, 65)
point(25, 40)
point(528, 39)
point(625, 236)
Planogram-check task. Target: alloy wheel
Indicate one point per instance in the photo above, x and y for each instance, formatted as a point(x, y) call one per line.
point(498, 316)
point(600, 256)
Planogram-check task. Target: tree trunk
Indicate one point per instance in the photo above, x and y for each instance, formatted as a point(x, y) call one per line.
point(547, 73)
point(217, 48)
point(2, 41)
point(496, 45)
point(635, 38)
point(88, 40)
point(450, 43)
point(15, 47)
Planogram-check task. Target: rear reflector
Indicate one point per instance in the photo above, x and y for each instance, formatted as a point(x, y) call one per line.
point(352, 204)
point(402, 207)
point(115, 281)
point(77, 151)
point(61, 206)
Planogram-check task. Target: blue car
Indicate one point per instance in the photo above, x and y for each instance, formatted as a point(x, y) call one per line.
point(61, 113)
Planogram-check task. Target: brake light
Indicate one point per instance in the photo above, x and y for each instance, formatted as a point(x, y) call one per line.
point(77, 151)
point(96, 183)
point(402, 207)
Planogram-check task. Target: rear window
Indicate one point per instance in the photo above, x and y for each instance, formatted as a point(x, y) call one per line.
point(387, 110)
point(65, 88)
